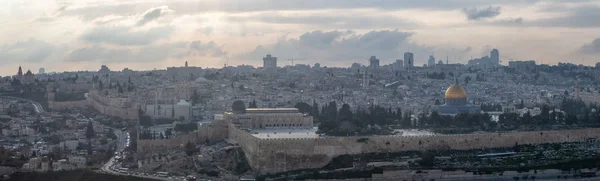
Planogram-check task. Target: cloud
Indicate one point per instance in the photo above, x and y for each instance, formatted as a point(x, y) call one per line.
point(153, 14)
point(149, 53)
point(476, 14)
point(592, 48)
point(197, 48)
point(466, 50)
point(52, 16)
point(31, 50)
point(121, 35)
point(340, 46)
point(583, 16)
point(330, 20)
point(93, 10)
point(206, 30)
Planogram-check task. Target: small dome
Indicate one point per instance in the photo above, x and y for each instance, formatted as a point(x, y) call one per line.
point(455, 92)
point(201, 80)
point(238, 107)
point(183, 103)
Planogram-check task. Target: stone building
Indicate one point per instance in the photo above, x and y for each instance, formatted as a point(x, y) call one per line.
point(268, 118)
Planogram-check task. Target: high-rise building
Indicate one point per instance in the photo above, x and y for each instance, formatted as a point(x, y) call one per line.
point(373, 62)
point(269, 62)
point(399, 64)
point(409, 59)
point(42, 71)
point(487, 61)
point(495, 57)
point(431, 61)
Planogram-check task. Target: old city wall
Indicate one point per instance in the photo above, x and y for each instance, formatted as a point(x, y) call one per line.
point(248, 143)
point(277, 155)
point(79, 87)
point(60, 106)
point(205, 133)
point(101, 105)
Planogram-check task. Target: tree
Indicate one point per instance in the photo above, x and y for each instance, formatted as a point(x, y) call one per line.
point(119, 88)
point(89, 133)
point(168, 133)
point(315, 109)
point(467, 79)
point(303, 107)
point(100, 85)
point(345, 112)
point(254, 105)
point(189, 148)
point(89, 148)
point(195, 98)
point(427, 159)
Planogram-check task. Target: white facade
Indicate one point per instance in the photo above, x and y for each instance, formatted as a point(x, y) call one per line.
point(169, 110)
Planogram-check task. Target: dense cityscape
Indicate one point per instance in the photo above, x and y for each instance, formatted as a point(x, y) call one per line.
point(266, 90)
point(186, 123)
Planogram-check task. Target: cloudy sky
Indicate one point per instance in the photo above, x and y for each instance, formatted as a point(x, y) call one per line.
point(66, 35)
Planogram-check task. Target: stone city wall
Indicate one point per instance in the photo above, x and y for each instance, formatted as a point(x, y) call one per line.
point(281, 154)
point(96, 101)
point(60, 106)
point(79, 87)
point(205, 133)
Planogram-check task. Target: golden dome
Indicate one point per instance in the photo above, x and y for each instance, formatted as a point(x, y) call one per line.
point(455, 92)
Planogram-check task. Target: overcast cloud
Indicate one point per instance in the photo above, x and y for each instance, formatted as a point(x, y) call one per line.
point(65, 35)
point(481, 13)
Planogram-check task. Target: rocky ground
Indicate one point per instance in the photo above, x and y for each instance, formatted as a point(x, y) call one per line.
point(212, 161)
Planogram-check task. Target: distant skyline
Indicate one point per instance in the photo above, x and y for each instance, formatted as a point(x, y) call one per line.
point(143, 35)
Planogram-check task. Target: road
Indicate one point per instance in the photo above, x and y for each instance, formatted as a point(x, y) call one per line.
point(123, 141)
point(36, 106)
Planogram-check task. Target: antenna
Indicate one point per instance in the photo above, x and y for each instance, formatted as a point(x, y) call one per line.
point(292, 60)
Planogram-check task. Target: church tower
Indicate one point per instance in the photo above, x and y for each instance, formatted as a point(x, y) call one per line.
point(20, 73)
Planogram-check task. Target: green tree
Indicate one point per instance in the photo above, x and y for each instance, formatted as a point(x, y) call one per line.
point(189, 148)
point(89, 133)
point(345, 112)
point(427, 159)
point(100, 85)
point(195, 98)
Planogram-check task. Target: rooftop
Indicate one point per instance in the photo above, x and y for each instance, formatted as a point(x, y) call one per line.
point(272, 110)
point(285, 133)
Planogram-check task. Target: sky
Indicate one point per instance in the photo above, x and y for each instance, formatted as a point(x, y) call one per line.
point(64, 35)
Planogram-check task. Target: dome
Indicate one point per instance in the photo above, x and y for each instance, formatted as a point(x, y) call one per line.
point(201, 80)
point(456, 92)
point(238, 107)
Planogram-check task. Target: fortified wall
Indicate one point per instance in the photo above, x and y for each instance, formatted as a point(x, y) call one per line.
point(284, 154)
point(205, 133)
point(60, 106)
point(100, 104)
